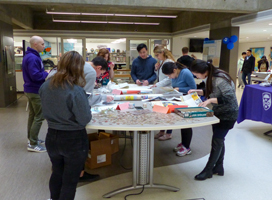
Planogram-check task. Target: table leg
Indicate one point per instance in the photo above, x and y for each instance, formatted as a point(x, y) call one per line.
point(143, 165)
point(268, 132)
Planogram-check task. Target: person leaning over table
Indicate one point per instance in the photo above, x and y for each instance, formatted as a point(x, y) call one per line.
point(220, 92)
point(109, 74)
point(183, 81)
point(67, 111)
point(92, 70)
point(142, 70)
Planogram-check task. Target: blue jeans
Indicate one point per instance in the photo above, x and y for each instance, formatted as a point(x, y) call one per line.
point(248, 75)
point(68, 151)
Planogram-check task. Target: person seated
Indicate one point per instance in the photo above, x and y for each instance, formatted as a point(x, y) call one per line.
point(143, 67)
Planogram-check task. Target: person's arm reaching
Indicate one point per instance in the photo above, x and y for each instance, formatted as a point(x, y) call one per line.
point(133, 72)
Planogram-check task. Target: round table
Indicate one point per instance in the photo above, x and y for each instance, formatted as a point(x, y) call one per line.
point(143, 148)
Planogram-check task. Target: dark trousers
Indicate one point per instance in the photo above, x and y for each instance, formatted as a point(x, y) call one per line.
point(68, 151)
point(186, 137)
point(221, 129)
point(248, 75)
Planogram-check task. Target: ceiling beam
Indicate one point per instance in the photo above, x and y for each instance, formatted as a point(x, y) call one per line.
point(233, 6)
point(20, 15)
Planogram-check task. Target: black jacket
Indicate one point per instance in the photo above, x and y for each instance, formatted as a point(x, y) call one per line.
point(249, 64)
point(186, 60)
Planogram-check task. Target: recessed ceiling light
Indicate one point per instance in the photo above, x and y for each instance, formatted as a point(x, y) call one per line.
point(195, 36)
point(247, 37)
point(270, 24)
point(264, 30)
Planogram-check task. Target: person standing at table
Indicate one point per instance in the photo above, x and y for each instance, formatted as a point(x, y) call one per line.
point(34, 76)
point(220, 92)
point(248, 67)
point(185, 59)
point(163, 55)
point(239, 66)
point(109, 74)
point(67, 111)
point(92, 70)
point(142, 71)
point(182, 81)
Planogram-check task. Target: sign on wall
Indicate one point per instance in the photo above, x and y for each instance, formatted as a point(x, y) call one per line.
point(212, 51)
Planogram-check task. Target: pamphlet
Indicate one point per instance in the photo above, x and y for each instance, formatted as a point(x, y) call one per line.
point(192, 100)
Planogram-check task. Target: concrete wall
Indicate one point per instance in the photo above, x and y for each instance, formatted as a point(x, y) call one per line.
point(7, 80)
point(180, 42)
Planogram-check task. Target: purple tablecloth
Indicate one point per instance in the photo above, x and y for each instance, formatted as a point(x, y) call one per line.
point(256, 104)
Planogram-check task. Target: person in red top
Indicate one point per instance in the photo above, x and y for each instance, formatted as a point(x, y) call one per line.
point(110, 73)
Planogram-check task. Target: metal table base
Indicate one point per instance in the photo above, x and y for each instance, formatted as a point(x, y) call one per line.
point(143, 165)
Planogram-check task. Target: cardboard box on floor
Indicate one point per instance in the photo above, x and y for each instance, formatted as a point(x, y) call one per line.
point(101, 148)
point(114, 141)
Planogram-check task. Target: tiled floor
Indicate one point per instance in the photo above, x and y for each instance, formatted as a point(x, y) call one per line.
point(248, 165)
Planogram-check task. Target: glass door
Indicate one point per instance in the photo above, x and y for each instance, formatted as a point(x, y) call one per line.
point(74, 44)
point(132, 52)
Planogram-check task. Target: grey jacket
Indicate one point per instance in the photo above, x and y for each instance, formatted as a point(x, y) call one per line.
point(227, 107)
point(163, 80)
point(65, 108)
point(90, 76)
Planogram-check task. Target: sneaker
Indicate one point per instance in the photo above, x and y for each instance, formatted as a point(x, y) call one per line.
point(39, 141)
point(88, 177)
point(36, 148)
point(178, 147)
point(165, 137)
point(183, 151)
point(159, 135)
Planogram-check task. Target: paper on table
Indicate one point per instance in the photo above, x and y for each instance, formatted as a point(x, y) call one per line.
point(123, 106)
point(116, 92)
point(192, 100)
point(161, 109)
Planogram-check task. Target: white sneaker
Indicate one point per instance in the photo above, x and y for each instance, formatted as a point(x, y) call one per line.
point(178, 147)
point(36, 148)
point(183, 151)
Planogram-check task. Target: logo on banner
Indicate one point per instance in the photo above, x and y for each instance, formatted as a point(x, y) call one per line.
point(266, 100)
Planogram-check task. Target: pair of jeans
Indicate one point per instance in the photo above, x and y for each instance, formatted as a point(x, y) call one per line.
point(35, 117)
point(68, 151)
point(248, 75)
point(221, 129)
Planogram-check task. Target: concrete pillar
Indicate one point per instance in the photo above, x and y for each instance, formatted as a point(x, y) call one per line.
point(7, 77)
point(228, 58)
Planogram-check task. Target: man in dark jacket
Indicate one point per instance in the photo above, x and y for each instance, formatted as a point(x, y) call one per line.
point(248, 67)
point(185, 59)
point(34, 76)
point(143, 67)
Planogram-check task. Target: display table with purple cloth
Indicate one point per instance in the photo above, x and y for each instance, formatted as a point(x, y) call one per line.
point(256, 104)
